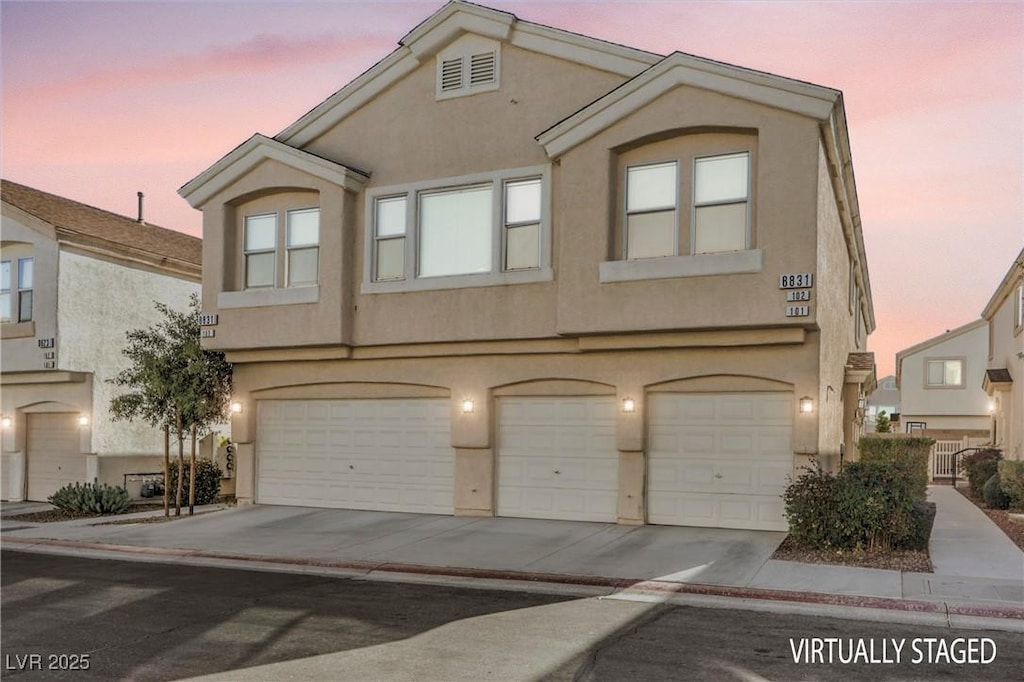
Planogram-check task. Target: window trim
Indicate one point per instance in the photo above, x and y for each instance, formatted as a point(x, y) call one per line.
point(498, 275)
point(246, 252)
point(16, 291)
point(626, 213)
point(1018, 309)
point(963, 373)
point(304, 247)
point(281, 249)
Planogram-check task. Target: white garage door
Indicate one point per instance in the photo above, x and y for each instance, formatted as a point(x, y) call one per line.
point(385, 455)
point(54, 459)
point(719, 460)
point(557, 458)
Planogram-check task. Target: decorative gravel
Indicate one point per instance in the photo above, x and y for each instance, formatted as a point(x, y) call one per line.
point(895, 560)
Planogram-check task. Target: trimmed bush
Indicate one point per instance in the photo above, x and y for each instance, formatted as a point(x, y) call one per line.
point(912, 452)
point(993, 494)
point(1011, 480)
point(979, 467)
point(207, 481)
point(91, 498)
point(868, 504)
point(924, 520)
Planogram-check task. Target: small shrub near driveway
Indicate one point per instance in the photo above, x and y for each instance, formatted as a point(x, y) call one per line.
point(872, 505)
point(912, 451)
point(94, 498)
point(979, 467)
point(1011, 480)
point(993, 494)
point(207, 481)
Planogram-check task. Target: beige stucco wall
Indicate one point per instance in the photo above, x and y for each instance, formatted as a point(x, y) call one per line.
point(1007, 352)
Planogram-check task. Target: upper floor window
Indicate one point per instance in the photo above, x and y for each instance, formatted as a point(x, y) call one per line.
point(489, 225)
point(1018, 308)
point(719, 214)
point(16, 290)
point(944, 373)
point(291, 237)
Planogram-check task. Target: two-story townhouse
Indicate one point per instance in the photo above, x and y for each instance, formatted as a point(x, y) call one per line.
point(74, 280)
point(1004, 375)
point(940, 384)
point(516, 271)
point(885, 398)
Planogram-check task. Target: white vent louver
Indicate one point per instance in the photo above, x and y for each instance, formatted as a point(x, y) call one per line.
point(451, 74)
point(482, 68)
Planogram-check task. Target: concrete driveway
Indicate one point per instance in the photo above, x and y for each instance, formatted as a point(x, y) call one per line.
point(675, 554)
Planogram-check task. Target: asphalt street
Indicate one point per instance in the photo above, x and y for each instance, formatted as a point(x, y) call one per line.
point(69, 618)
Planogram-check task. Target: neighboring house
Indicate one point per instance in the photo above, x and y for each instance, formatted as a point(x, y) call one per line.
point(1004, 376)
point(886, 397)
point(516, 271)
point(74, 280)
point(940, 384)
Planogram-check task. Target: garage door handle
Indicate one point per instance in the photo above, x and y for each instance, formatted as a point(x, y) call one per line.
point(718, 475)
point(557, 471)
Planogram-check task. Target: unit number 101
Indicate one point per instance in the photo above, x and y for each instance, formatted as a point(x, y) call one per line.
point(798, 310)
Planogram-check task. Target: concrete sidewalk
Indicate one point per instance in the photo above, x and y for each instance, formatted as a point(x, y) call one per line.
point(979, 573)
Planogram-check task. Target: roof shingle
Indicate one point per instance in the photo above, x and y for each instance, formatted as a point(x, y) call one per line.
point(75, 217)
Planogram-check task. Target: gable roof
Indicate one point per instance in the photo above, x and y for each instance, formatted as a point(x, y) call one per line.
point(88, 226)
point(441, 28)
point(934, 341)
point(1014, 275)
point(254, 151)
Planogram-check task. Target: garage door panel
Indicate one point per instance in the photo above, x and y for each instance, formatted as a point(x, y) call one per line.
point(53, 456)
point(719, 459)
point(557, 458)
point(357, 454)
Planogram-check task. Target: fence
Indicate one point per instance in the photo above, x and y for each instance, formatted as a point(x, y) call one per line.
point(942, 459)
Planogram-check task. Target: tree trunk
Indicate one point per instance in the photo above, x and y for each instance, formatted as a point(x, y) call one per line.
point(181, 463)
point(192, 476)
point(167, 470)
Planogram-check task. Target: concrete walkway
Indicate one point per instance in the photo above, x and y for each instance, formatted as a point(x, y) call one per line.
point(978, 571)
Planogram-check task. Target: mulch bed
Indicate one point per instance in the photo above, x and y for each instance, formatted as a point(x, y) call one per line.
point(1013, 528)
point(895, 560)
point(57, 515)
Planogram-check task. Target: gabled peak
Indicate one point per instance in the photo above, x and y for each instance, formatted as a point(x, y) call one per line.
point(451, 21)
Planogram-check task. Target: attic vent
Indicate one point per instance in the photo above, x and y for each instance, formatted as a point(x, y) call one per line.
point(451, 74)
point(481, 68)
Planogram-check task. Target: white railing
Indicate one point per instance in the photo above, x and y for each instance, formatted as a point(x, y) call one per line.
point(942, 457)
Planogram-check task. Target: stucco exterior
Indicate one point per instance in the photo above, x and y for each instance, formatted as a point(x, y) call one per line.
point(962, 406)
point(88, 291)
point(1003, 382)
point(574, 114)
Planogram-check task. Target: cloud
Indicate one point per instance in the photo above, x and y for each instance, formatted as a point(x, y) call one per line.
point(260, 54)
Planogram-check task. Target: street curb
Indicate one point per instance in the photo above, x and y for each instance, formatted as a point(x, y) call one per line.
point(624, 584)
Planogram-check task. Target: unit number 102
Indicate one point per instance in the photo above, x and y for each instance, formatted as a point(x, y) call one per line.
point(798, 295)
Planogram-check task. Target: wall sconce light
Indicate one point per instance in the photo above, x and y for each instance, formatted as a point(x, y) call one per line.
point(992, 406)
point(467, 406)
point(806, 405)
point(236, 407)
point(6, 422)
point(83, 420)
point(628, 405)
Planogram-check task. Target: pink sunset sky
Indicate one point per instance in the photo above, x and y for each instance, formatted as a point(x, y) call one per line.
point(101, 100)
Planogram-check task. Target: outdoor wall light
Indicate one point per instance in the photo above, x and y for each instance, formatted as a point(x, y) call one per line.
point(236, 407)
point(83, 420)
point(6, 422)
point(628, 405)
point(467, 406)
point(806, 405)
point(992, 407)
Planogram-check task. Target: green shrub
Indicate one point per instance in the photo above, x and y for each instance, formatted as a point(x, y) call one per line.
point(207, 481)
point(979, 467)
point(993, 494)
point(869, 504)
point(1011, 480)
point(92, 498)
point(912, 451)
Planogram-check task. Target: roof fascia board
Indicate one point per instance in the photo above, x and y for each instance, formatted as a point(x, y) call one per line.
point(936, 340)
point(259, 148)
point(126, 256)
point(677, 70)
point(1005, 287)
point(453, 20)
point(604, 56)
point(357, 93)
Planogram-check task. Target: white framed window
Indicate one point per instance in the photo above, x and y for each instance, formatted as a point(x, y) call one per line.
point(1018, 309)
point(522, 224)
point(721, 203)
point(944, 373)
point(290, 246)
point(302, 243)
point(481, 230)
point(16, 289)
point(652, 219)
